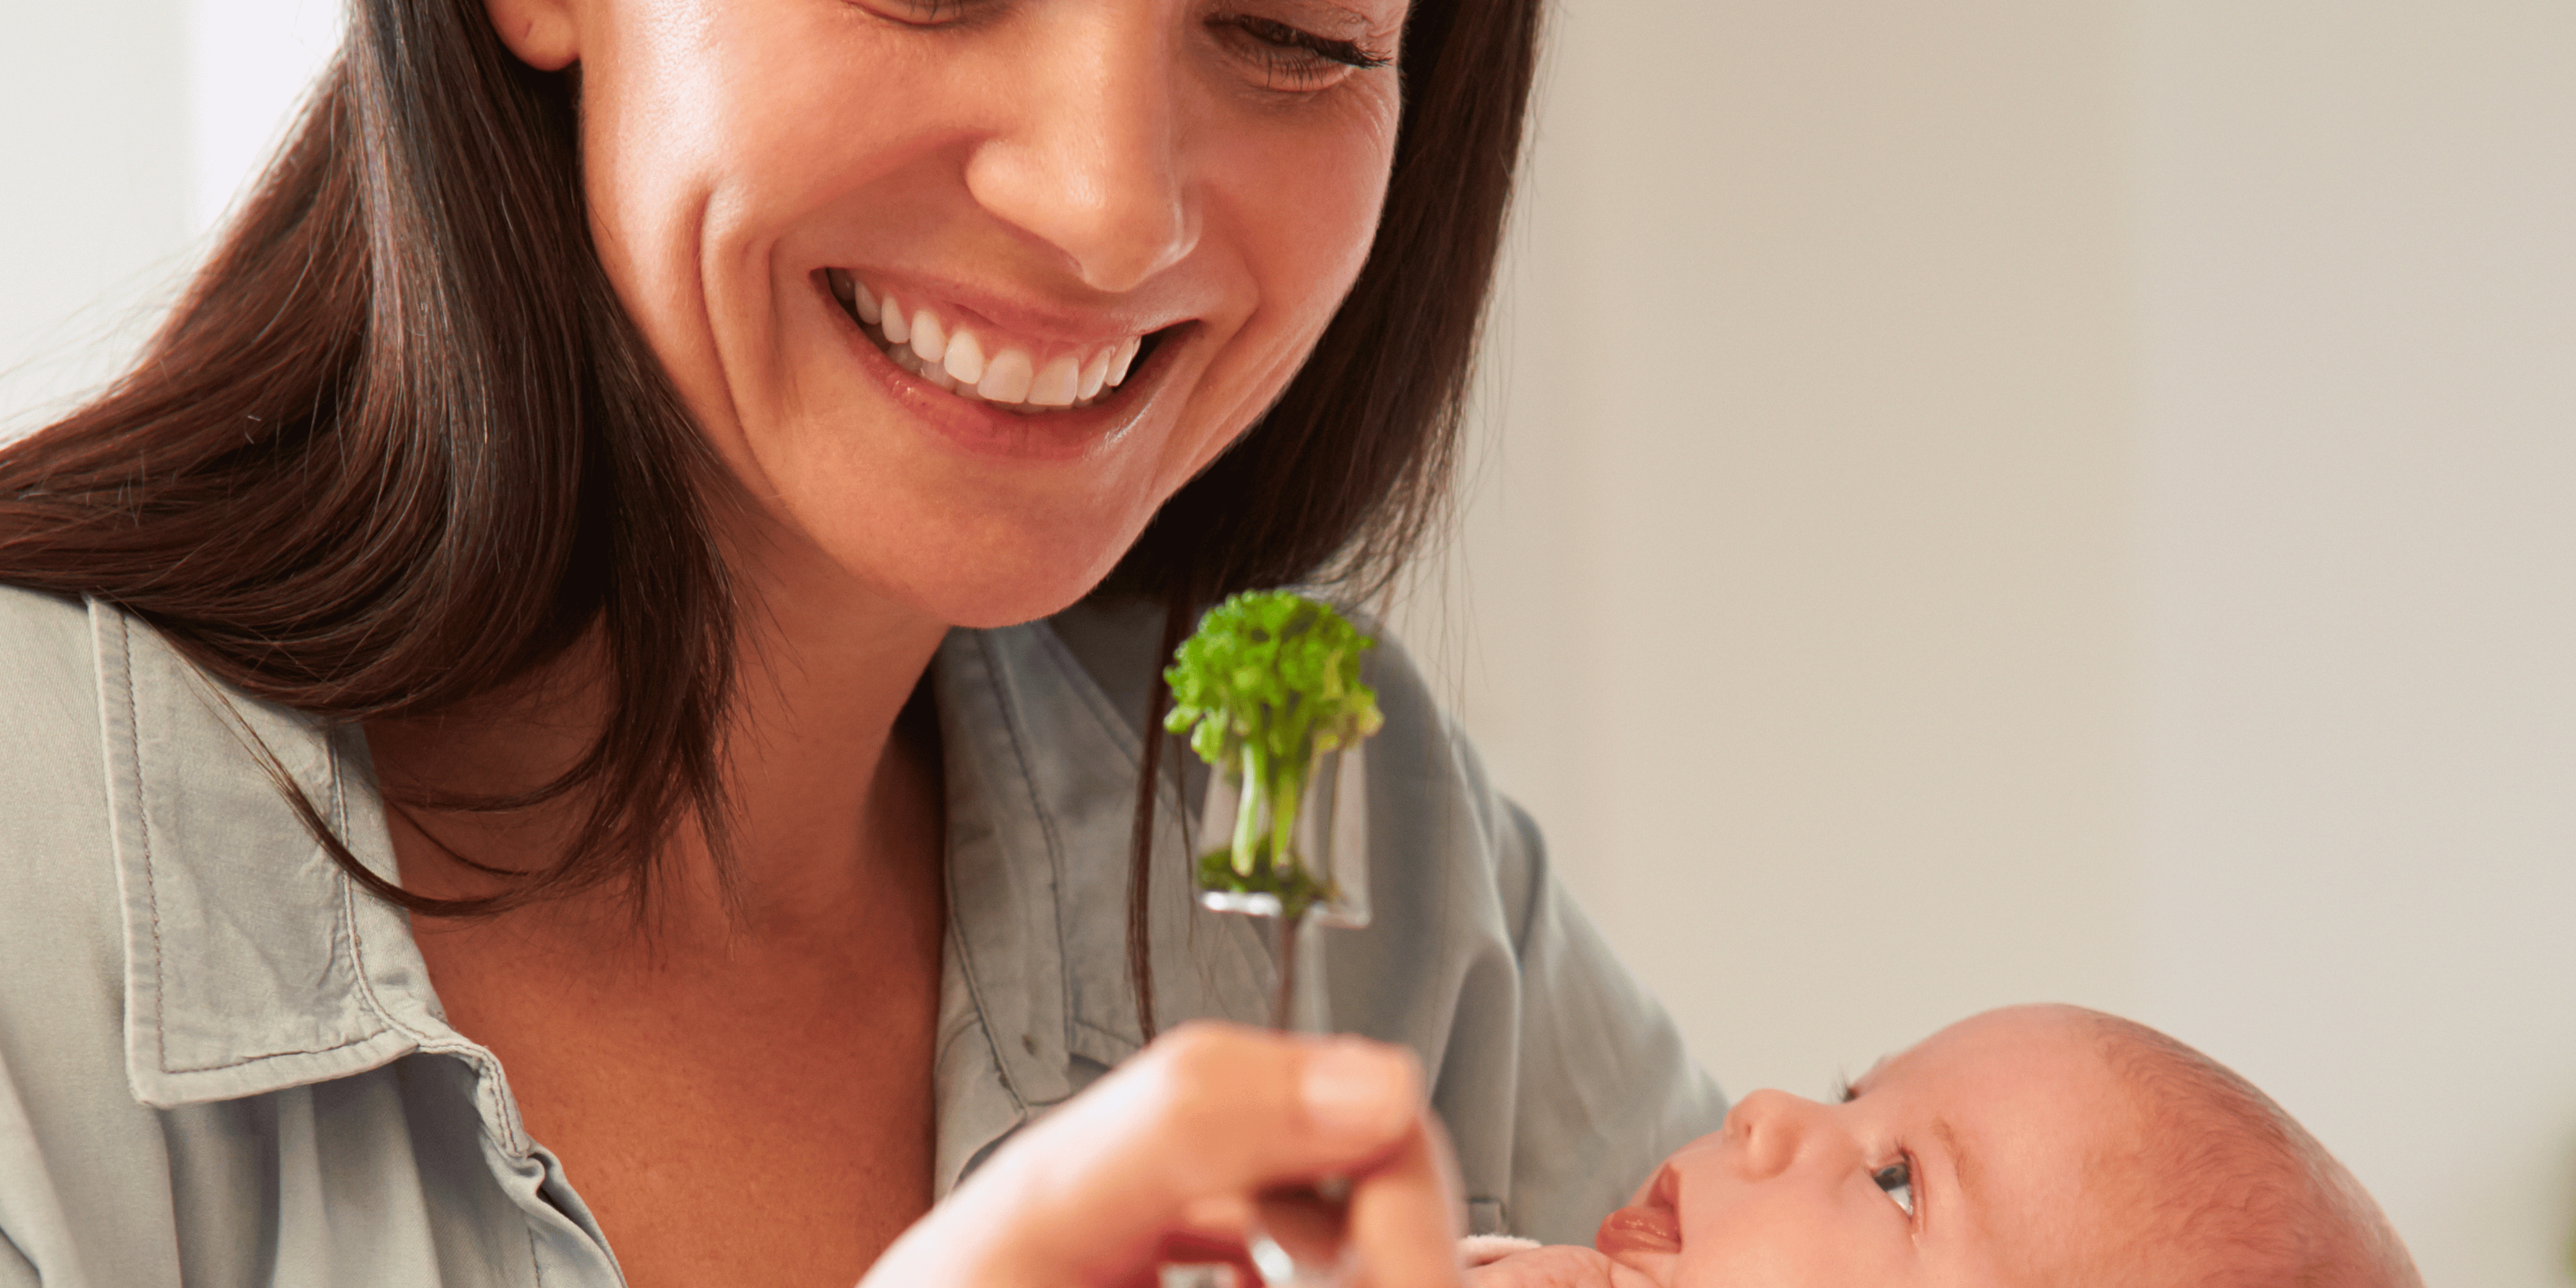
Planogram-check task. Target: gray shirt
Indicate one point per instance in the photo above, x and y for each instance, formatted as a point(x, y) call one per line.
point(221, 1062)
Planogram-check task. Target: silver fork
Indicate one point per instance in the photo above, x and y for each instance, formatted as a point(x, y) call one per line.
point(1296, 1239)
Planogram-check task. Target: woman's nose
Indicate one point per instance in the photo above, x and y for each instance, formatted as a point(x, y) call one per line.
point(1773, 1129)
point(1090, 160)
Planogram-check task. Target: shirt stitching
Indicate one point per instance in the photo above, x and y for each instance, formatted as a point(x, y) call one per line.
point(486, 1068)
point(973, 977)
point(1046, 822)
point(143, 844)
point(1094, 702)
point(152, 897)
point(536, 1260)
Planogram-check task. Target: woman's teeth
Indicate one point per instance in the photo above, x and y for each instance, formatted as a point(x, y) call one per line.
point(990, 368)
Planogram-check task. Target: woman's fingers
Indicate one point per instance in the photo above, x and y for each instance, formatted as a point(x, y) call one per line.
point(1556, 1267)
point(1209, 1114)
point(1405, 1214)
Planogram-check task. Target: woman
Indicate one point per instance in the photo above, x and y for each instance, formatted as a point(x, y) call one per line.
point(522, 588)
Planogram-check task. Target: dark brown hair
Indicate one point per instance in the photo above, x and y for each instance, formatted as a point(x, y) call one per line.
point(398, 445)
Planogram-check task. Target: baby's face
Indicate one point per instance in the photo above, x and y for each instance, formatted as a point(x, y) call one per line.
point(1978, 1157)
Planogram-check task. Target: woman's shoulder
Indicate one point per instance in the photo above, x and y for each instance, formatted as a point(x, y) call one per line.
point(140, 833)
point(53, 790)
point(53, 793)
point(48, 669)
point(62, 952)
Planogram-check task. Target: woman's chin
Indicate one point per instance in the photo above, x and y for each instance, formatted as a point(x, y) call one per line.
point(955, 554)
point(1002, 592)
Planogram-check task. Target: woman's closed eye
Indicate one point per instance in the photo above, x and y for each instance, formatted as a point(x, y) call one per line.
point(1897, 1179)
point(925, 13)
point(1292, 58)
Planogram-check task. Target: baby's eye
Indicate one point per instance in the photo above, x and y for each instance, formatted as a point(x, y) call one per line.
point(1897, 1179)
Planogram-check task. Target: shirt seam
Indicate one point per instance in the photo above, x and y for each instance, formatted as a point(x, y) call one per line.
point(1127, 1040)
point(143, 845)
point(1094, 700)
point(983, 1014)
point(536, 1260)
point(966, 960)
point(1011, 721)
point(152, 895)
point(486, 1068)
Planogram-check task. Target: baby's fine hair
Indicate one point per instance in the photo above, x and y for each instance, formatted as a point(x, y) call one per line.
point(2244, 1195)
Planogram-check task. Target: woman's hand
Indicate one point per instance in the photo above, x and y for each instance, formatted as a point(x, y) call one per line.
point(1172, 1147)
point(1556, 1267)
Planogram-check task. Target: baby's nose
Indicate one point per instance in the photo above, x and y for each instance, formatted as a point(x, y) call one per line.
point(1770, 1129)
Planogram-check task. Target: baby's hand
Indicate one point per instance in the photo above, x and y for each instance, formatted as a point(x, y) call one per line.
point(1559, 1266)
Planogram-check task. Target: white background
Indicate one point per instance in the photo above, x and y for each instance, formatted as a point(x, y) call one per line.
point(1974, 503)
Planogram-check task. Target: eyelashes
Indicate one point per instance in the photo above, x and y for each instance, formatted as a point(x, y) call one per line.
point(1289, 58)
point(1285, 57)
point(1281, 36)
point(922, 13)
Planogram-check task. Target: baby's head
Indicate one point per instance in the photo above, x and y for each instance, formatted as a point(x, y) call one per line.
point(2035, 1145)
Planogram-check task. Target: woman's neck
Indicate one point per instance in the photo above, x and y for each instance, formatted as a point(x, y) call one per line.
point(828, 784)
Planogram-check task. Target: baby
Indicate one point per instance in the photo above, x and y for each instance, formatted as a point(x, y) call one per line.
point(2041, 1145)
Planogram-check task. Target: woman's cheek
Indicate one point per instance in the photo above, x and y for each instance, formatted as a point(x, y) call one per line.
point(660, 121)
point(1347, 174)
point(1306, 182)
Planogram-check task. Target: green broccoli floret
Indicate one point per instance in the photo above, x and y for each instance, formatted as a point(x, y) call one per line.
point(1270, 682)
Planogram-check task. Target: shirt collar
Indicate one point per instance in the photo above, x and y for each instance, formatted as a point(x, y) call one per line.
point(253, 963)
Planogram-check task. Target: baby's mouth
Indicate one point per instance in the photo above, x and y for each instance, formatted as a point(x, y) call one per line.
point(976, 362)
point(1640, 1228)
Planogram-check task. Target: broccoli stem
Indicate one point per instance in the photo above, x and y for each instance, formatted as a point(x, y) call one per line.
point(1286, 798)
point(1247, 813)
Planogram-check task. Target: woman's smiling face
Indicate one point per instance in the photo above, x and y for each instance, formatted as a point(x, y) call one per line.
point(1053, 193)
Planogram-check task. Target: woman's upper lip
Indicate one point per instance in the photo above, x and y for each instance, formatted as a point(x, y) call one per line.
point(1018, 313)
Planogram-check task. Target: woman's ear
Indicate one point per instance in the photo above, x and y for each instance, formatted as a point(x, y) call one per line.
point(542, 33)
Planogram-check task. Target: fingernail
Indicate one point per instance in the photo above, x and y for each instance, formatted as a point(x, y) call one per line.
point(1349, 1088)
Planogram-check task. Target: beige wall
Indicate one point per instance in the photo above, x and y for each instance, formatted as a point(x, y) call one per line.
point(1799, 606)
point(2016, 501)
point(92, 192)
point(2357, 344)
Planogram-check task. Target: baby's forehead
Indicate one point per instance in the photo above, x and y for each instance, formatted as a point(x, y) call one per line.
point(2032, 1109)
point(2005, 1051)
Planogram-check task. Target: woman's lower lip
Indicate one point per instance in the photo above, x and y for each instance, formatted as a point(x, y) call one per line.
point(985, 428)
